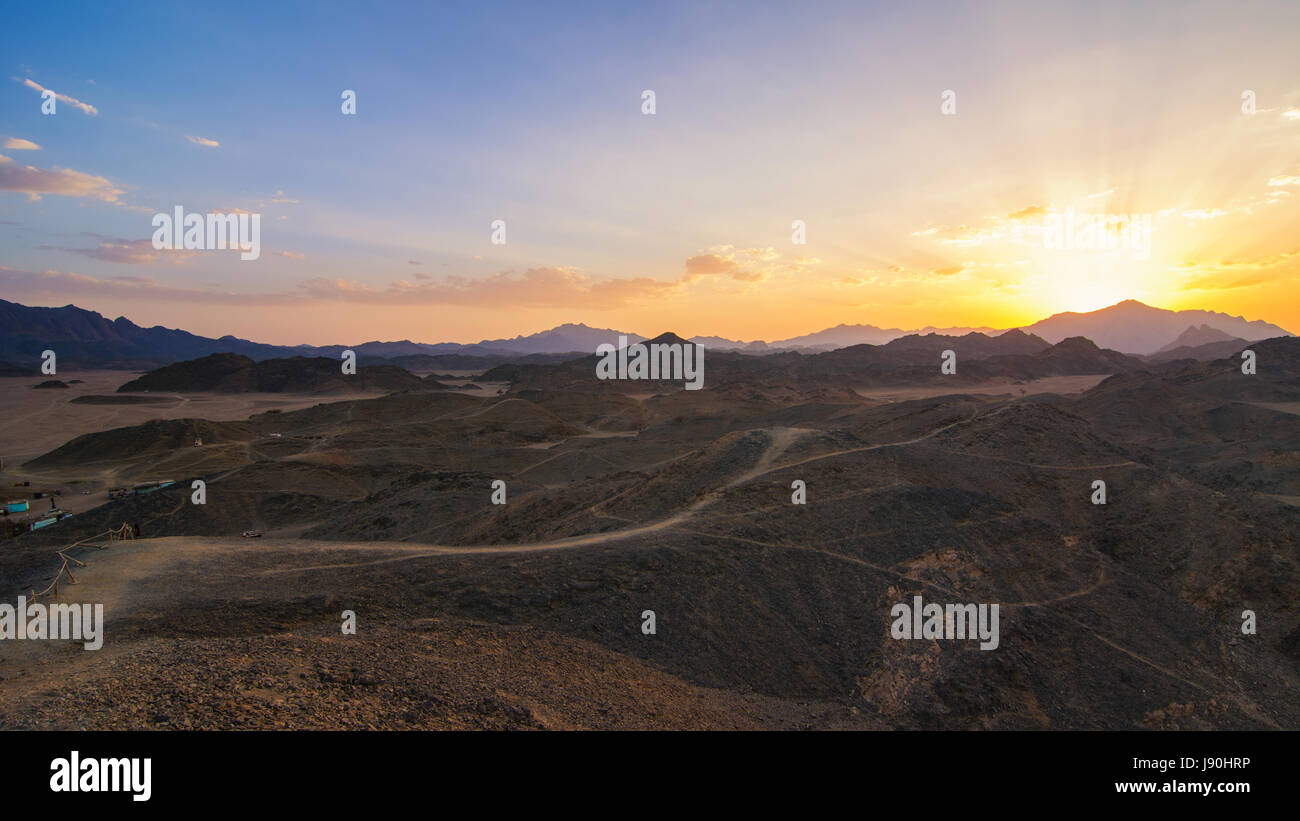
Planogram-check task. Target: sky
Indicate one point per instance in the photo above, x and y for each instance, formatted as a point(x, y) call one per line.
point(930, 154)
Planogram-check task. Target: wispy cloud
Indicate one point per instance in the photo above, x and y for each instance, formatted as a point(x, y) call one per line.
point(59, 283)
point(202, 141)
point(1230, 274)
point(125, 252)
point(63, 98)
point(65, 182)
point(743, 265)
point(1030, 212)
point(18, 144)
point(548, 287)
point(711, 264)
point(1203, 213)
point(542, 287)
point(948, 271)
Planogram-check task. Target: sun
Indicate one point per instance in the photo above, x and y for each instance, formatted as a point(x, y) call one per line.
point(1082, 282)
point(1091, 296)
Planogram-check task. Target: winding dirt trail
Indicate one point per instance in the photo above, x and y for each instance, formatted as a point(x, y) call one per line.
point(780, 440)
point(152, 557)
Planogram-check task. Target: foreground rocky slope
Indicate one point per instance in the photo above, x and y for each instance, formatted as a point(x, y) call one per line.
point(1122, 615)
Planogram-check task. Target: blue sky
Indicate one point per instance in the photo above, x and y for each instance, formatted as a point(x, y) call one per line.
point(531, 113)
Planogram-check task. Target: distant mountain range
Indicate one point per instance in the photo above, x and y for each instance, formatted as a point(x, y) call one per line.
point(82, 338)
point(1013, 356)
point(86, 339)
point(829, 339)
point(1132, 327)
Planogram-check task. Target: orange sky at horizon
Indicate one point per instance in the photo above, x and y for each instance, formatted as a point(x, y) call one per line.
point(340, 324)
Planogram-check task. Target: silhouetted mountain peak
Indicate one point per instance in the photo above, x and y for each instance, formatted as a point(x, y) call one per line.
point(1076, 343)
point(1197, 335)
point(667, 338)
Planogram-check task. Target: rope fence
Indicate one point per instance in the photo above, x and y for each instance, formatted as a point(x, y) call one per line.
point(126, 531)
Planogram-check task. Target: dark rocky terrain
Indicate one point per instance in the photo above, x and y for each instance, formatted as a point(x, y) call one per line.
point(1201, 353)
point(624, 497)
point(232, 373)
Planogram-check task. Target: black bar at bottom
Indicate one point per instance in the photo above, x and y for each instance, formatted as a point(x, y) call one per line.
point(928, 770)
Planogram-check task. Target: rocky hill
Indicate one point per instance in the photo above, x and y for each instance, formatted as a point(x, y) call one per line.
point(232, 373)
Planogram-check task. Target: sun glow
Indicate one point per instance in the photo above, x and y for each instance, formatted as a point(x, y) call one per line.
point(1083, 282)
